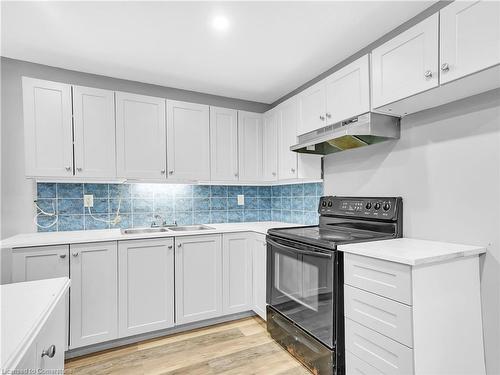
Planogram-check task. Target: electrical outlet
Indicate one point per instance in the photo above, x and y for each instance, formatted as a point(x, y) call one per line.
point(241, 200)
point(88, 200)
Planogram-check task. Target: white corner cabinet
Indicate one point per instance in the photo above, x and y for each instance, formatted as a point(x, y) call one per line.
point(402, 319)
point(132, 287)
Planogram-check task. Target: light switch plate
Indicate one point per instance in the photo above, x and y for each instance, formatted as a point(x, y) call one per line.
point(241, 200)
point(88, 200)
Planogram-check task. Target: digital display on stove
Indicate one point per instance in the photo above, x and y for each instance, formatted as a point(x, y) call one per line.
point(351, 205)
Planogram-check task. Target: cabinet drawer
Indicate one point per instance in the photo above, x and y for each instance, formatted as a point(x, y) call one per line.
point(356, 366)
point(379, 351)
point(388, 279)
point(390, 318)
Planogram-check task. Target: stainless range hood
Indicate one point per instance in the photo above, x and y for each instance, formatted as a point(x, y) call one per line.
point(359, 131)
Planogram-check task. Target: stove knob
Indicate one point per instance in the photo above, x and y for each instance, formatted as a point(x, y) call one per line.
point(387, 206)
point(377, 206)
point(368, 205)
point(323, 204)
point(330, 204)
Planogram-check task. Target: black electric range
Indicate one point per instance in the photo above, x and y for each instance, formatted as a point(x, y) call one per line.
point(305, 276)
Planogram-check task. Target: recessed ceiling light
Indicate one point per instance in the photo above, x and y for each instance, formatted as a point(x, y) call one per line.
point(220, 23)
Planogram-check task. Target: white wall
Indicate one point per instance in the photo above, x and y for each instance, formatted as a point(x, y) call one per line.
point(446, 166)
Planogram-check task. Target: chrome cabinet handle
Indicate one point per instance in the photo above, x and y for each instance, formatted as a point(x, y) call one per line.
point(179, 245)
point(428, 74)
point(170, 246)
point(328, 115)
point(162, 171)
point(236, 174)
point(322, 118)
point(62, 256)
point(171, 172)
point(75, 254)
point(68, 168)
point(50, 352)
point(293, 170)
point(79, 169)
point(445, 67)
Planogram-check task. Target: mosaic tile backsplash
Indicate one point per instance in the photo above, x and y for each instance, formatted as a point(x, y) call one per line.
point(184, 204)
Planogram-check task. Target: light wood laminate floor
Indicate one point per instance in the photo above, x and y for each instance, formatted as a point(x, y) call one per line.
point(238, 347)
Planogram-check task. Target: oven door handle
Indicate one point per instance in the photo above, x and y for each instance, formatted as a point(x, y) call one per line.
point(300, 251)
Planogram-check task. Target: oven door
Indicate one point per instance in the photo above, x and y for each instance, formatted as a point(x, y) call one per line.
point(300, 285)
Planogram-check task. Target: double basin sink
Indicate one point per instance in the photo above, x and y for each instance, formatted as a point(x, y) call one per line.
point(168, 228)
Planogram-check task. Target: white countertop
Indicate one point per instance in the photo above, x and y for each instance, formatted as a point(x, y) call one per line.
point(83, 236)
point(411, 251)
point(24, 309)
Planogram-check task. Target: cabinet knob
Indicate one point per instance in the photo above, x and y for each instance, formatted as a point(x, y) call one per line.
point(428, 74)
point(293, 170)
point(179, 245)
point(75, 254)
point(274, 173)
point(236, 174)
point(62, 256)
point(50, 352)
point(322, 118)
point(79, 169)
point(170, 246)
point(68, 168)
point(171, 172)
point(162, 171)
point(445, 67)
point(328, 115)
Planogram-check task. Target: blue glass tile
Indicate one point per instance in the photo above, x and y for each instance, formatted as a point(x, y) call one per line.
point(48, 205)
point(101, 206)
point(201, 217)
point(276, 203)
point(218, 191)
point(251, 203)
point(276, 191)
point(235, 216)
point(310, 190)
point(276, 215)
point(264, 191)
point(142, 205)
point(68, 190)
point(46, 190)
point(286, 203)
point(264, 215)
point(70, 222)
point(184, 217)
point(233, 191)
point(297, 190)
point(70, 206)
point(264, 203)
point(97, 190)
point(311, 218)
point(201, 204)
point(163, 204)
point(119, 191)
point(218, 216)
point(46, 221)
point(311, 203)
point(202, 191)
point(184, 204)
point(286, 190)
point(286, 216)
point(251, 215)
point(298, 203)
point(218, 203)
point(297, 217)
point(125, 205)
point(91, 223)
point(140, 220)
point(232, 204)
point(166, 192)
point(183, 190)
point(125, 221)
point(143, 191)
point(250, 191)
point(319, 189)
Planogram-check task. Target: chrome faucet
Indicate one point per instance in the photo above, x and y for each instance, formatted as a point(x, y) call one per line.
point(158, 218)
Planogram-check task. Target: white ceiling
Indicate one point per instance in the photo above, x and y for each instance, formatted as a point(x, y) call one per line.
point(269, 49)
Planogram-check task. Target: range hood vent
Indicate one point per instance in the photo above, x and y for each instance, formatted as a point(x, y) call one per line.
point(359, 131)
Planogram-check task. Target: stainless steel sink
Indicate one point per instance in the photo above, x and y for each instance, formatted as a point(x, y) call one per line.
point(183, 228)
point(144, 230)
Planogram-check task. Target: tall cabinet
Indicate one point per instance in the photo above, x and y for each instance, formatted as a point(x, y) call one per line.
point(223, 144)
point(270, 139)
point(250, 145)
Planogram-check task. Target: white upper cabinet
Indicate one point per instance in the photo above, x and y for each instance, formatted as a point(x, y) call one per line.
point(94, 127)
point(188, 141)
point(250, 146)
point(223, 144)
point(140, 136)
point(348, 91)
point(269, 145)
point(47, 128)
point(407, 64)
point(287, 129)
point(312, 108)
point(470, 38)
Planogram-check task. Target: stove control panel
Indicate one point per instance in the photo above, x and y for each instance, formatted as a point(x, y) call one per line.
point(382, 208)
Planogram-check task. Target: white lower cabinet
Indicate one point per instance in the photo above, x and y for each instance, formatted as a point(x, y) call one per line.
point(259, 251)
point(37, 263)
point(198, 278)
point(145, 286)
point(237, 272)
point(94, 293)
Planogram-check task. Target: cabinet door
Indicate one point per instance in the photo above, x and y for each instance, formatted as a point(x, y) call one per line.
point(407, 64)
point(270, 146)
point(250, 146)
point(223, 144)
point(37, 263)
point(94, 126)
point(145, 286)
point(348, 91)
point(288, 115)
point(188, 141)
point(237, 272)
point(469, 37)
point(140, 136)
point(312, 108)
point(94, 293)
point(48, 137)
point(259, 248)
point(198, 278)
